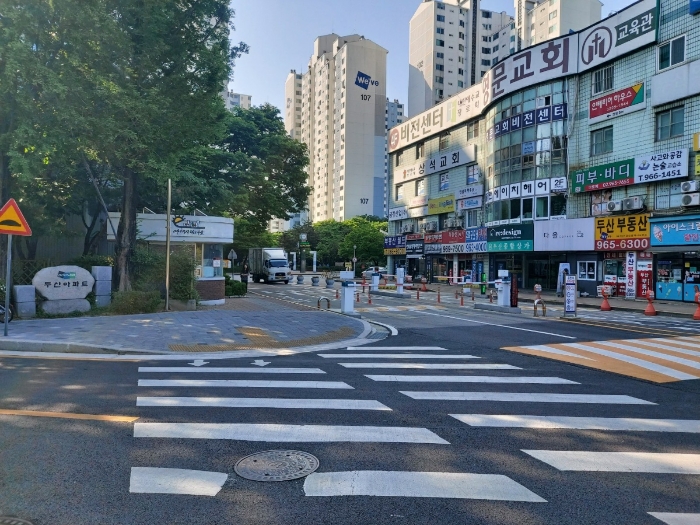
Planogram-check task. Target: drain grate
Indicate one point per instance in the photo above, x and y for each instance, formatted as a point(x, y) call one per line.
point(6, 520)
point(276, 465)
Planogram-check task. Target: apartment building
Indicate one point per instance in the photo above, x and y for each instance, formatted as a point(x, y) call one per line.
point(541, 20)
point(236, 100)
point(449, 49)
point(292, 111)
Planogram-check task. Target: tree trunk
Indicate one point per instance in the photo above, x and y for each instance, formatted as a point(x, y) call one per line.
point(126, 232)
point(4, 178)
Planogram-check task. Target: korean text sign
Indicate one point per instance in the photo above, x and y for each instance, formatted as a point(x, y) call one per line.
point(618, 103)
point(683, 231)
point(626, 232)
point(511, 238)
point(604, 176)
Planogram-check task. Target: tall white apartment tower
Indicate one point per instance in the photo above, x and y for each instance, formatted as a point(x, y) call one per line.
point(236, 100)
point(292, 111)
point(343, 108)
point(540, 20)
point(449, 49)
point(395, 115)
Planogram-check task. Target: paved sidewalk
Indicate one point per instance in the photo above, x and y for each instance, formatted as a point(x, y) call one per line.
point(249, 323)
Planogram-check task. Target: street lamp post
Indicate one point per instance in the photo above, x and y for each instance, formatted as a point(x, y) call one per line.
point(354, 258)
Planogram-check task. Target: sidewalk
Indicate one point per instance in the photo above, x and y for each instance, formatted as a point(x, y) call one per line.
point(248, 323)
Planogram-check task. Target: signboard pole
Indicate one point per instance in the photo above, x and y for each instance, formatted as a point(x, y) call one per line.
point(8, 282)
point(570, 287)
point(167, 248)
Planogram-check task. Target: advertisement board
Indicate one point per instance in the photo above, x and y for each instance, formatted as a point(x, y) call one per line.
point(631, 275)
point(414, 245)
point(397, 214)
point(603, 176)
point(441, 205)
point(395, 245)
point(661, 166)
point(510, 238)
point(470, 204)
point(618, 103)
point(676, 231)
point(475, 190)
point(476, 240)
point(623, 232)
point(568, 235)
point(570, 295)
point(441, 162)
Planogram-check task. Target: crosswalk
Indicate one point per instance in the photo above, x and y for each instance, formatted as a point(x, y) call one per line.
point(661, 360)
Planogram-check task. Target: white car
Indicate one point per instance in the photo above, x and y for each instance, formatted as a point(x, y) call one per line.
point(381, 270)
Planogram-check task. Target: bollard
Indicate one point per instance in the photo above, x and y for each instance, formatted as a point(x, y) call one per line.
point(364, 279)
point(544, 307)
point(491, 295)
point(605, 305)
point(473, 296)
point(369, 298)
point(461, 300)
point(357, 297)
point(337, 294)
point(417, 295)
point(423, 282)
point(650, 310)
point(438, 299)
point(363, 288)
point(328, 303)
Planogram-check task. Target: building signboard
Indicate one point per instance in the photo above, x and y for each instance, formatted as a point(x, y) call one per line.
point(418, 212)
point(470, 204)
point(697, 164)
point(604, 176)
point(661, 166)
point(527, 119)
point(414, 245)
point(696, 137)
point(183, 229)
point(441, 205)
point(631, 275)
point(511, 238)
point(676, 231)
point(420, 200)
point(618, 103)
point(397, 214)
point(623, 232)
point(435, 164)
point(569, 235)
point(395, 245)
point(476, 240)
point(475, 190)
point(694, 8)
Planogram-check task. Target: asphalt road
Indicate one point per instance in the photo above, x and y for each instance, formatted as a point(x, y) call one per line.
point(56, 471)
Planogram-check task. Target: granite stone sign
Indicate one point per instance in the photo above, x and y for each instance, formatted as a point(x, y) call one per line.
point(65, 288)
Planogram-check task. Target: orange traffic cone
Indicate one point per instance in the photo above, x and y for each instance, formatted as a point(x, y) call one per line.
point(696, 315)
point(605, 306)
point(650, 310)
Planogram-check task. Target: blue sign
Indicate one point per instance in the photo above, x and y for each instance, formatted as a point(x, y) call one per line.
point(694, 7)
point(678, 231)
point(365, 81)
point(394, 241)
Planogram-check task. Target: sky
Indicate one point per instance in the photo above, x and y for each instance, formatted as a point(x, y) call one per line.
point(281, 36)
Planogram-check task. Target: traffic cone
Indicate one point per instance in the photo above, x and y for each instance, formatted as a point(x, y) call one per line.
point(605, 306)
point(696, 315)
point(650, 310)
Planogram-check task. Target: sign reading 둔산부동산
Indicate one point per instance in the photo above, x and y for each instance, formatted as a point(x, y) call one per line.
point(511, 238)
point(624, 232)
point(63, 282)
point(618, 103)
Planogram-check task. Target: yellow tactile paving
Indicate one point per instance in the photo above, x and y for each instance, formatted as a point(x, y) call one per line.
point(663, 366)
point(68, 415)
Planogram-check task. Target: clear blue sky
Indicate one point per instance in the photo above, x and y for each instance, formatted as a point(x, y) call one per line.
point(281, 33)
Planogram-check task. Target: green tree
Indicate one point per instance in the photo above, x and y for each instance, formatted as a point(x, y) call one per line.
point(248, 234)
point(330, 235)
point(368, 236)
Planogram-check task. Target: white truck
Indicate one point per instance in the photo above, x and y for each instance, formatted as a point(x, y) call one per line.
point(269, 264)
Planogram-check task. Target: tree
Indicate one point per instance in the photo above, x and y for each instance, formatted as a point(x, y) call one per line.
point(248, 234)
point(330, 235)
point(368, 236)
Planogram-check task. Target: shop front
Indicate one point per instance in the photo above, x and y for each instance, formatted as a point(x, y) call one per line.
point(435, 262)
point(675, 243)
point(202, 235)
point(508, 246)
point(395, 249)
point(415, 260)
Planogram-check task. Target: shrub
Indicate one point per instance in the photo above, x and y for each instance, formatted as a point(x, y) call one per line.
point(235, 288)
point(147, 271)
point(182, 265)
point(88, 261)
point(135, 302)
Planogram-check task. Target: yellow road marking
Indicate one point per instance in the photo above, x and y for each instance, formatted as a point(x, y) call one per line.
point(68, 415)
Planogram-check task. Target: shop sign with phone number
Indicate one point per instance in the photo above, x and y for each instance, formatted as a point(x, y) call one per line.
point(627, 232)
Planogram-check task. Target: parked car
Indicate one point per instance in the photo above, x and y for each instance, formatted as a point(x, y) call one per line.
point(375, 269)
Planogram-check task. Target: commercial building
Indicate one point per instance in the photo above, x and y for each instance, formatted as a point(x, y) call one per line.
point(343, 112)
point(449, 49)
point(580, 152)
point(236, 100)
point(540, 20)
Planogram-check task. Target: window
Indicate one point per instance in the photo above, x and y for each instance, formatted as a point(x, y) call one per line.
point(553, 15)
point(487, 27)
point(602, 141)
point(486, 50)
point(440, 31)
point(486, 14)
point(399, 193)
point(439, 5)
point(485, 63)
point(444, 141)
point(439, 80)
point(439, 67)
point(440, 43)
point(461, 47)
point(485, 39)
point(471, 219)
point(461, 23)
point(552, 29)
point(472, 130)
point(672, 52)
point(495, 48)
point(460, 84)
point(587, 270)
point(527, 209)
point(542, 207)
point(604, 79)
point(399, 158)
point(440, 18)
point(440, 55)
point(670, 123)
point(420, 187)
point(460, 71)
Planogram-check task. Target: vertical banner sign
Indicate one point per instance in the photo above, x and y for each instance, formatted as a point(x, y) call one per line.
point(570, 295)
point(631, 275)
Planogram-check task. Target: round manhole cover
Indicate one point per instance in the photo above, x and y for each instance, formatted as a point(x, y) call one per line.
point(4, 520)
point(276, 465)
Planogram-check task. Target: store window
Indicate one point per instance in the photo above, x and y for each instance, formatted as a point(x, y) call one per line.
point(602, 141)
point(670, 123)
point(587, 270)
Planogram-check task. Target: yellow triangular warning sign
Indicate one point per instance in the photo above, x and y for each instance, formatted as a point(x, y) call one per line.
point(12, 221)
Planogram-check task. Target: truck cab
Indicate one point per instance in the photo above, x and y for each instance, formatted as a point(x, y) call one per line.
point(269, 264)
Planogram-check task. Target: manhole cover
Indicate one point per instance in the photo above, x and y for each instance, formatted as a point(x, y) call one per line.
point(4, 520)
point(276, 465)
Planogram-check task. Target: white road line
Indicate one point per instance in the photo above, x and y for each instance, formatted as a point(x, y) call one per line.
point(232, 383)
point(550, 350)
point(431, 366)
point(649, 462)
point(500, 325)
point(530, 398)
point(677, 346)
point(148, 480)
point(580, 423)
point(474, 379)
point(242, 370)
point(260, 402)
point(650, 353)
point(418, 485)
point(392, 329)
point(676, 518)
point(635, 361)
point(406, 348)
point(398, 356)
point(273, 433)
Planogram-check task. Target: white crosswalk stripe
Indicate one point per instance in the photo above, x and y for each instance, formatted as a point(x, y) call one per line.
point(151, 480)
point(397, 356)
point(405, 348)
point(649, 462)
point(473, 379)
point(260, 402)
point(528, 397)
point(220, 370)
point(432, 366)
point(235, 383)
point(580, 423)
point(676, 518)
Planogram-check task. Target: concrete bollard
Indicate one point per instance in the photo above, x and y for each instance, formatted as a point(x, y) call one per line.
point(25, 301)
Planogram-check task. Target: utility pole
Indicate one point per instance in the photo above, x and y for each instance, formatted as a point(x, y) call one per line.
point(167, 247)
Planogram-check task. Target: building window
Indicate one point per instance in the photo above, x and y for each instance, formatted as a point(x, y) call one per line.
point(439, 67)
point(587, 270)
point(440, 55)
point(399, 158)
point(604, 79)
point(444, 141)
point(460, 71)
point(602, 141)
point(486, 14)
point(460, 84)
point(439, 80)
point(553, 15)
point(440, 31)
point(485, 63)
point(472, 130)
point(552, 29)
point(670, 123)
point(672, 52)
point(399, 192)
point(461, 23)
point(495, 48)
point(440, 18)
point(486, 50)
point(420, 150)
point(420, 187)
point(461, 47)
point(440, 43)
point(485, 39)
point(439, 5)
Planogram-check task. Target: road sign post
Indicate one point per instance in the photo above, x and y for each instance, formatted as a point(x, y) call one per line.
point(12, 222)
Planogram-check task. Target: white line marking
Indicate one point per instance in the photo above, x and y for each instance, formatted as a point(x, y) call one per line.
point(649, 462)
point(550, 350)
point(418, 485)
point(231, 383)
point(260, 402)
point(500, 325)
point(287, 433)
point(431, 366)
point(406, 348)
point(676, 518)
point(530, 398)
point(148, 480)
point(474, 379)
point(643, 351)
point(246, 370)
point(676, 346)
point(398, 356)
point(391, 329)
point(635, 361)
point(580, 423)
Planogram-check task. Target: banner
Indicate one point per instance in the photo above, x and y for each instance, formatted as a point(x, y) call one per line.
point(618, 103)
point(568, 235)
point(676, 231)
point(441, 205)
point(661, 166)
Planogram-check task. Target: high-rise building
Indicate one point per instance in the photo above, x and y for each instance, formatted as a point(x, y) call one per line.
point(540, 20)
point(450, 49)
point(237, 100)
point(395, 114)
point(292, 111)
point(343, 110)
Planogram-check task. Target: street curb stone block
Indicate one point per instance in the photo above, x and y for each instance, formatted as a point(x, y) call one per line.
point(65, 306)
point(25, 293)
point(103, 288)
point(102, 273)
point(496, 308)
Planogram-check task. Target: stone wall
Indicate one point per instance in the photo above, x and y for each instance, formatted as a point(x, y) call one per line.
point(211, 289)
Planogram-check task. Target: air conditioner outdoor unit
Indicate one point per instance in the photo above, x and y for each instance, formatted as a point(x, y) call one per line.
point(407, 228)
point(615, 206)
point(421, 227)
point(633, 203)
point(691, 199)
point(431, 226)
point(690, 186)
point(454, 223)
